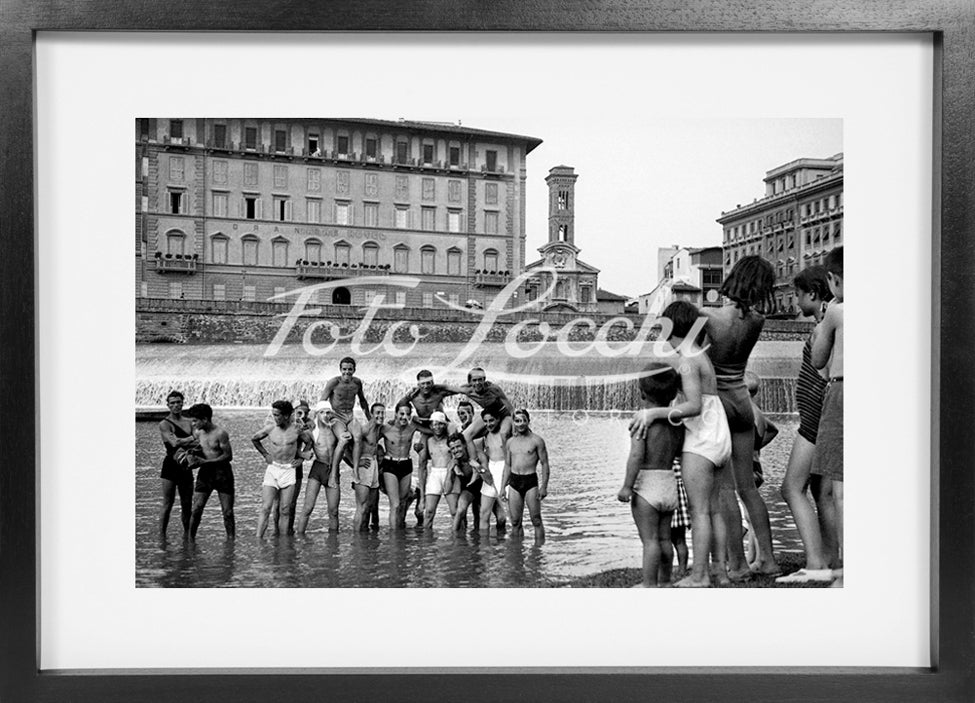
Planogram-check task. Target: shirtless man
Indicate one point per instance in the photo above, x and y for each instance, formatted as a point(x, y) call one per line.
point(177, 433)
point(466, 474)
point(489, 397)
point(492, 457)
point(342, 392)
point(525, 452)
point(435, 461)
point(323, 445)
point(427, 398)
point(287, 443)
point(397, 467)
point(365, 474)
point(303, 421)
point(215, 472)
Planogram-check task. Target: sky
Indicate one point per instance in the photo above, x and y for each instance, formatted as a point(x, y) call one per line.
point(665, 133)
point(664, 182)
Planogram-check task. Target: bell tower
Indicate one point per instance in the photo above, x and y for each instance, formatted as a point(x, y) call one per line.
point(572, 283)
point(561, 182)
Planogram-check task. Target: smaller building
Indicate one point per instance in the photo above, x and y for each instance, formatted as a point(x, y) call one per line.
point(610, 303)
point(693, 274)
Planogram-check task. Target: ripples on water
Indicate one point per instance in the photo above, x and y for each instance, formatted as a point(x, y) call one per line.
point(587, 529)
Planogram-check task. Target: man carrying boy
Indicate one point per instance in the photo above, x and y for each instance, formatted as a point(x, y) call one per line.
point(827, 352)
point(287, 443)
point(215, 472)
point(650, 485)
point(524, 453)
point(320, 475)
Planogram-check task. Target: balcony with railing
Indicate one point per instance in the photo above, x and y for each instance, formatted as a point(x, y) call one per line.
point(327, 271)
point(491, 279)
point(176, 263)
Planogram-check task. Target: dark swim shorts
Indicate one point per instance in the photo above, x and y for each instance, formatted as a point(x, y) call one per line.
point(523, 483)
point(319, 472)
point(399, 468)
point(215, 477)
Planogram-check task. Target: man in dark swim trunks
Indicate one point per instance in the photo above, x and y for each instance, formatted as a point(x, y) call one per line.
point(524, 453)
point(177, 434)
point(215, 472)
point(397, 466)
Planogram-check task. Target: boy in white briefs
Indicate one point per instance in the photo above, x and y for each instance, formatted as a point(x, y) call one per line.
point(288, 446)
point(650, 486)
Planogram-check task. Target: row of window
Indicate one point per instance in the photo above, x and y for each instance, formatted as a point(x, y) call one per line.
point(402, 151)
point(748, 229)
point(248, 293)
point(561, 292)
point(343, 212)
point(825, 236)
point(314, 252)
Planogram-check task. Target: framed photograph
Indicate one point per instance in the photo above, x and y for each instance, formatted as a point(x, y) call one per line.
point(349, 214)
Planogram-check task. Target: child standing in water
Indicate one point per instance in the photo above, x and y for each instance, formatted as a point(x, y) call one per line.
point(827, 353)
point(707, 441)
point(650, 486)
point(733, 330)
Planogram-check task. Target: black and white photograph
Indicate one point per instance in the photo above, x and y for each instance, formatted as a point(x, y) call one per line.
point(377, 352)
point(539, 323)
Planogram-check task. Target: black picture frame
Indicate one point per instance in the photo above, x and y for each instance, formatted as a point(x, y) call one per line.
point(951, 23)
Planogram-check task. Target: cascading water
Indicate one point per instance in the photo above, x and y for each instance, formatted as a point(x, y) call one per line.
point(241, 376)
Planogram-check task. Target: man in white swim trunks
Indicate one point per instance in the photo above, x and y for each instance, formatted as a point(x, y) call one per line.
point(289, 445)
point(492, 456)
point(435, 460)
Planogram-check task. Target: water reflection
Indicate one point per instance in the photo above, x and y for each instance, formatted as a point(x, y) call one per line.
point(587, 530)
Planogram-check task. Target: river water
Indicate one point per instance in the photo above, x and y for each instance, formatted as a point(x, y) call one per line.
point(587, 529)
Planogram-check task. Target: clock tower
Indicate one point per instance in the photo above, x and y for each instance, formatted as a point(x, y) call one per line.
point(575, 285)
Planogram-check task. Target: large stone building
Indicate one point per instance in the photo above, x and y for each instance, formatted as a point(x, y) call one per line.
point(244, 209)
point(794, 225)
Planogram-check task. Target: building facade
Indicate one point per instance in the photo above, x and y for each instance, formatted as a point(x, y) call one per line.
point(799, 219)
point(693, 274)
point(246, 209)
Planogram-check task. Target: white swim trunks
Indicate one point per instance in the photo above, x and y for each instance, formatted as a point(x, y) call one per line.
point(436, 481)
point(279, 475)
point(497, 472)
point(707, 434)
point(367, 473)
